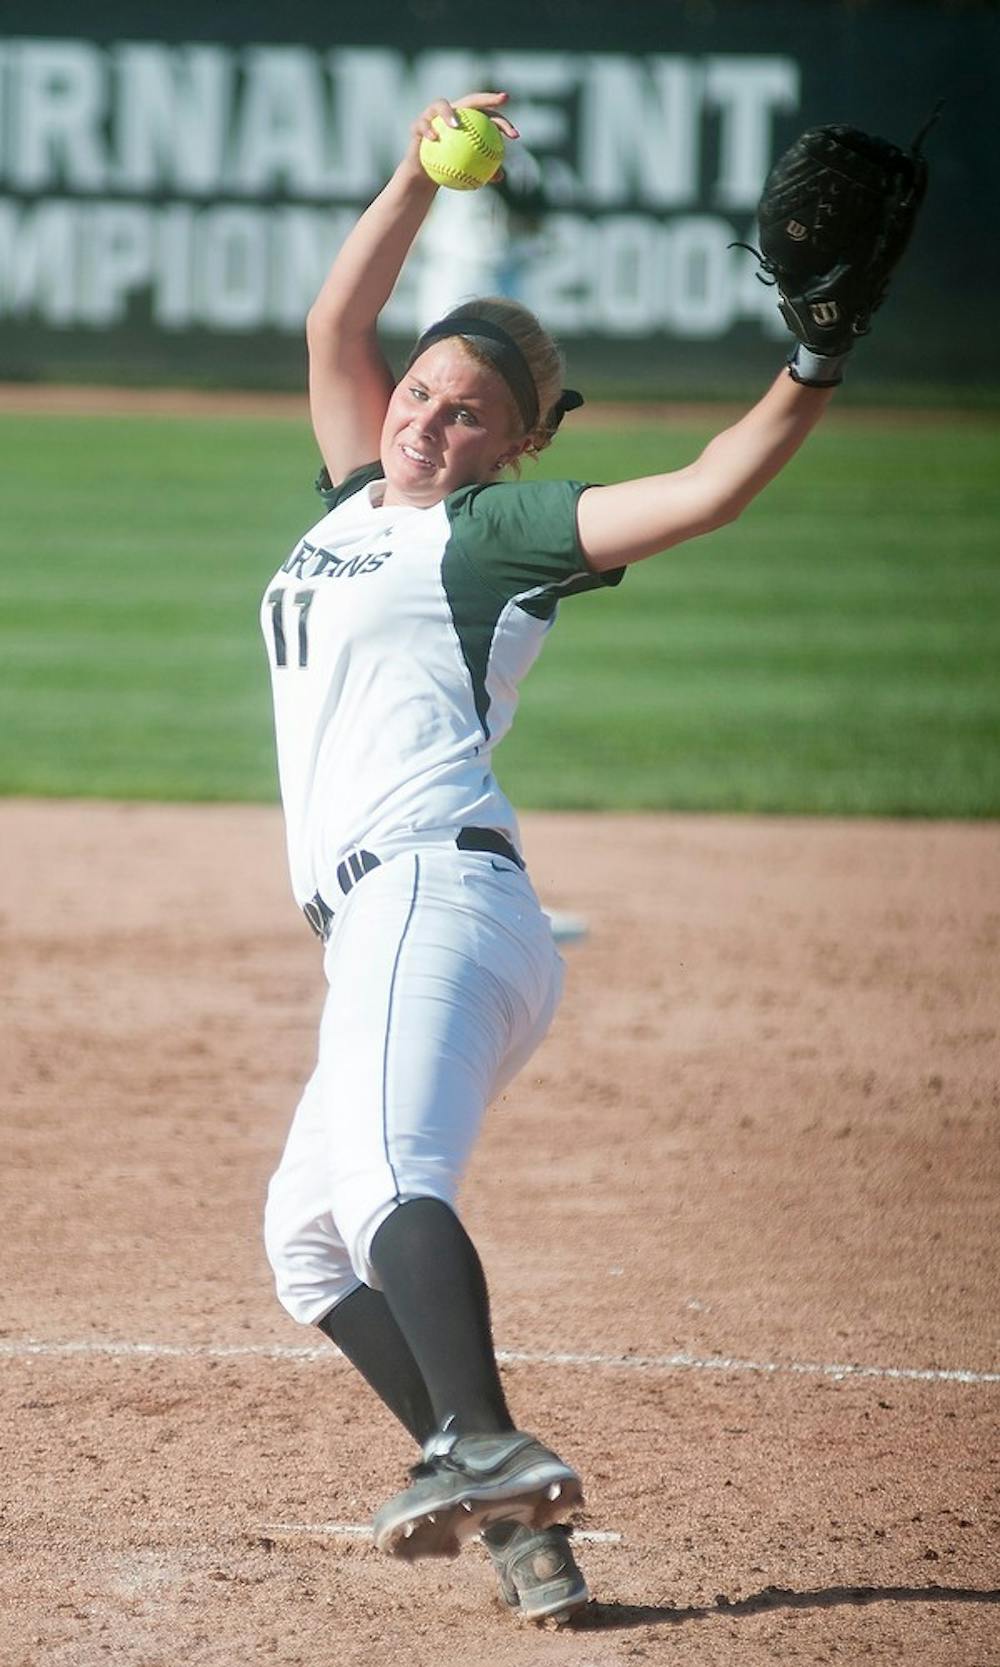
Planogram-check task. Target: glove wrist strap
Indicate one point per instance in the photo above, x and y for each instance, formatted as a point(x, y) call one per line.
point(815, 370)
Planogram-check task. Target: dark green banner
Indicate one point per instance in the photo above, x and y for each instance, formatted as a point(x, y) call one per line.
point(173, 184)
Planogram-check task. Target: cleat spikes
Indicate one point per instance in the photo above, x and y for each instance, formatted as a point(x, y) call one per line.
point(486, 1479)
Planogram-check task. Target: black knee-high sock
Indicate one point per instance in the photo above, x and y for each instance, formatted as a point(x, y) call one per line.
point(364, 1330)
point(434, 1284)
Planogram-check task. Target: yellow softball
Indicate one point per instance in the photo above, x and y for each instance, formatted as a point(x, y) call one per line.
point(463, 157)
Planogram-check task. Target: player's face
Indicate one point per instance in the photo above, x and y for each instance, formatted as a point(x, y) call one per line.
point(450, 423)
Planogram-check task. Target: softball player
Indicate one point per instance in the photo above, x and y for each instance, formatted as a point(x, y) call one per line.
point(398, 631)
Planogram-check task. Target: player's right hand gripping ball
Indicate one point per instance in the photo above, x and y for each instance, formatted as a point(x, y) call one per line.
point(463, 157)
point(836, 214)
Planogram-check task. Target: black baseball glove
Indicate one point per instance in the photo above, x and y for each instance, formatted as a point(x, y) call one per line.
point(835, 216)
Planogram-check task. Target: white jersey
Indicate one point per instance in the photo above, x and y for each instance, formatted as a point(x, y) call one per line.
point(397, 638)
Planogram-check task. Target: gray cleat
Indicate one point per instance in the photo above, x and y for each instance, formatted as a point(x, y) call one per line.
point(538, 1574)
point(466, 1482)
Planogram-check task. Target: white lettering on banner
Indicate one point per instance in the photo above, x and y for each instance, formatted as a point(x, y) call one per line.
point(631, 275)
point(117, 261)
point(624, 300)
point(542, 80)
point(231, 269)
point(228, 267)
point(639, 131)
point(555, 281)
point(697, 277)
point(375, 94)
point(281, 136)
point(37, 262)
point(173, 116)
point(303, 243)
point(6, 127)
point(365, 87)
point(57, 113)
point(265, 154)
point(210, 118)
point(235, 267)
point(173, 302)
point(748, 91)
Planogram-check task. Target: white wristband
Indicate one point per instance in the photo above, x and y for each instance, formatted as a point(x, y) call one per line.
point(813, 370)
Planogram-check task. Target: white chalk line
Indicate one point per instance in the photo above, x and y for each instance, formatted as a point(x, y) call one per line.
point(362, 1531)
point(724, 1364)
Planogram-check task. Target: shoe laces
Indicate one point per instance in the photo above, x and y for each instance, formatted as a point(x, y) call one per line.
point(423, 1467)
point(436, 1448)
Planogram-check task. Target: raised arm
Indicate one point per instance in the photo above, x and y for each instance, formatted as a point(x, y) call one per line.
point(835, 215)
point(627, 522)
point(350, 381)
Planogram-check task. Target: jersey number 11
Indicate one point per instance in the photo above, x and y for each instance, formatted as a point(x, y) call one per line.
point(302, 600)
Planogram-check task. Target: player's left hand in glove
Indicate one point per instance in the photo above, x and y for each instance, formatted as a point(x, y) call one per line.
point(835, 216)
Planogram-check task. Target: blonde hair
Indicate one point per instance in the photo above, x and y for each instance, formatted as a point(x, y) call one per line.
point(542, 356)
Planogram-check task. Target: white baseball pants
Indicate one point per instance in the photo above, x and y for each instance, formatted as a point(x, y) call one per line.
point(443, 979)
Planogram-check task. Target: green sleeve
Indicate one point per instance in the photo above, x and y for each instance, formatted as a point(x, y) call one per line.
point(334, 495)
point(522, 541)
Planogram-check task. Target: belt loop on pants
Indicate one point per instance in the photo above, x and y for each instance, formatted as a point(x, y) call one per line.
point(488, 839)
point(354, 868)
point(359, 863)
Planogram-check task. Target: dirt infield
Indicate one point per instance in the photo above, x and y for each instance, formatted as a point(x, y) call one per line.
point(54, 399)
point(739, 1215)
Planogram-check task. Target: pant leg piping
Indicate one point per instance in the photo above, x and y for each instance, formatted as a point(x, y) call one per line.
point(388, 1028)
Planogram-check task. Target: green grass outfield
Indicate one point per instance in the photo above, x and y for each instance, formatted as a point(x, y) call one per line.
point(837, 651)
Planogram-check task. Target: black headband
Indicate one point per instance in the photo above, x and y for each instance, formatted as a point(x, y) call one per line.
point(502, 352)
point(506, 357)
